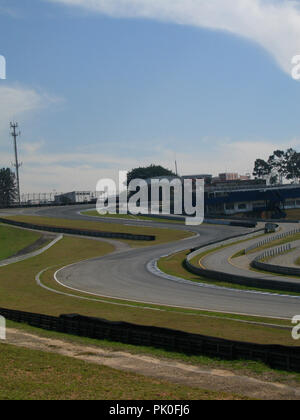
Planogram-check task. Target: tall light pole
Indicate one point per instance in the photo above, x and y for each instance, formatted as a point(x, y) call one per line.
point(17, 165)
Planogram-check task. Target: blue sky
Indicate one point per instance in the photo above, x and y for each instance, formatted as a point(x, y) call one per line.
point(98, 86)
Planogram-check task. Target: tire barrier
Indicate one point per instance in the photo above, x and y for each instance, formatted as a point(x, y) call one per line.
point(82, 232)
point(276, 356)
point(271, 239)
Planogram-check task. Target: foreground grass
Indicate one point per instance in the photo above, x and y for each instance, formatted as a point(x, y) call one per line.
point(13, 240)
point(31, 374)
point(162, 235)
point(18, 290)
point(249, 368)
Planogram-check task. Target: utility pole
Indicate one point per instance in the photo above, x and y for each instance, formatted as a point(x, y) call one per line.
point(17, 165)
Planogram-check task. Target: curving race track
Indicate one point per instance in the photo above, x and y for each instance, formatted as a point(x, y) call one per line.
point(124, 274)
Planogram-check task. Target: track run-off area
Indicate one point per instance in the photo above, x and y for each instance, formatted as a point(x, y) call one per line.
point(125, 275)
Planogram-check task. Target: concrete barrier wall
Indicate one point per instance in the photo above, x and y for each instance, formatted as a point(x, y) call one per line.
point(287, 286)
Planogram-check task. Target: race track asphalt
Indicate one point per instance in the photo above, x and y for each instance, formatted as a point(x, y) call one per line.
point(124, 275)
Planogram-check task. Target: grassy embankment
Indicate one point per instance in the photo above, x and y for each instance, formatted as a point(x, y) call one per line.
point(163, 235)
point(14, 240)
point(32, 374)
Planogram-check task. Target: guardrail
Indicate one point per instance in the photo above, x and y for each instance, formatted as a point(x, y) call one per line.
point(276, 356)
point(274, 268)
point(71, 231)
point(273, 252)
point(272, 239)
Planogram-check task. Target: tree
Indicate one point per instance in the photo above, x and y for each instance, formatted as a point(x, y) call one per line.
point(261, 168)
point(292, 164)
point(277, 163)
point(273, 179)
point(148, 172)
point(8, 190)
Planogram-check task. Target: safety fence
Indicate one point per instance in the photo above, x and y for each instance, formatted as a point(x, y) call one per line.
point(273, 252)
point(276, 356)
point(260, 264)
point(271, 239)
point(82, 232)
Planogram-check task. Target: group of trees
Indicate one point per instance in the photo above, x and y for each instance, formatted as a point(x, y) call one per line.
point(148, 172)
point(8, 190)
point(281, 164)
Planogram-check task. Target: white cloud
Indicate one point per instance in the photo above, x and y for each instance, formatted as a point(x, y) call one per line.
point(15, 101)
point(44, 171)
point(273, 24)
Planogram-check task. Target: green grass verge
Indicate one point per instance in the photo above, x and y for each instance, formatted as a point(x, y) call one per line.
point(254, 369)
point(239, 254)
point(162, 235)
point(13, 240)
point(35, 375)
point(18, 290)
point(94, 213)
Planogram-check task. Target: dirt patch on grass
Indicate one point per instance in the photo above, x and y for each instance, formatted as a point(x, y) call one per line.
point(43, 240)
point(169, 370)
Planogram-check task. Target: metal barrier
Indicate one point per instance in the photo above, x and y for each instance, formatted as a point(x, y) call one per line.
point(274, 268)
point(276, 356)
point(271, 239)
point(273, 252)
